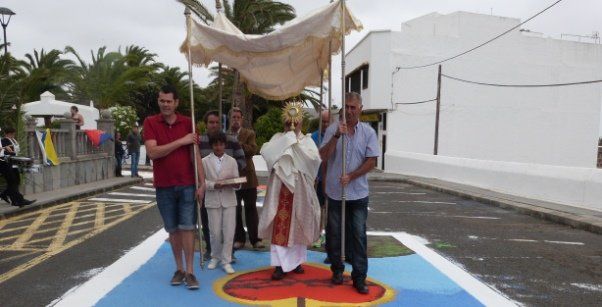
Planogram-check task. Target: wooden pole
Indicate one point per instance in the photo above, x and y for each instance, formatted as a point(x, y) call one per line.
point(218, 8)
point(436, 149)
point(194, 146)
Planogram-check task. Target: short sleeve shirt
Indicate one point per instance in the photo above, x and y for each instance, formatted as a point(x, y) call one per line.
point(363, 144)
point(175, 169)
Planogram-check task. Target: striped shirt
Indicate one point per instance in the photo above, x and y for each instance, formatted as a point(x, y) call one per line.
point(233, 149)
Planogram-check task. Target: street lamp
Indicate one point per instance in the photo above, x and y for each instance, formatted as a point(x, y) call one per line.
point(5, 15)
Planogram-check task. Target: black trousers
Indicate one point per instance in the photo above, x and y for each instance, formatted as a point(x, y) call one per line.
point(13, 180)
point(249, 196)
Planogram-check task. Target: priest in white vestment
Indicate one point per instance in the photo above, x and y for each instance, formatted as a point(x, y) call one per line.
point(291, 212)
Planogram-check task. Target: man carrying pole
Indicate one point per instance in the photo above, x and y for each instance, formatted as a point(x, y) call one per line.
point(361, 152)
point(168, 136)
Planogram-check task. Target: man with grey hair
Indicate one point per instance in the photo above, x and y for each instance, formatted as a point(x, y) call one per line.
point(361, 153)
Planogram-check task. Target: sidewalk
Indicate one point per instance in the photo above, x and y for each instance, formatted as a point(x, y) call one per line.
point(50, 198)
point(585, 219)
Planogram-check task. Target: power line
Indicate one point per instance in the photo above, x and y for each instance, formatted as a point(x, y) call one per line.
point(521, 85)
point(483, 44)
point(417, 102)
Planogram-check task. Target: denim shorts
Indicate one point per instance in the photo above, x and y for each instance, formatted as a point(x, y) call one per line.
point(177, 207)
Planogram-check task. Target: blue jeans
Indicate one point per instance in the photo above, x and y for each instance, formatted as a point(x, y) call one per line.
point(135, 160)
point(356, 213)
point(177, 207)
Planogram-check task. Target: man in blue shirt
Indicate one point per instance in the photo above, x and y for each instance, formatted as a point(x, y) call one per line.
point(362, 150)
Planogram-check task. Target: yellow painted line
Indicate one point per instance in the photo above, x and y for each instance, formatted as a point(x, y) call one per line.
point(7, 248)
point(76, 232)
point(3, 260)
point(24, 216)
point(100, 216)
point(63, 231)
point(31, 230)
point(26, 266)
point(127, 208)
point(11, 229)
point(3, 223)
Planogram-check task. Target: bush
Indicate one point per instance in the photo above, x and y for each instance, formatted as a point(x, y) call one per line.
point(125, 117)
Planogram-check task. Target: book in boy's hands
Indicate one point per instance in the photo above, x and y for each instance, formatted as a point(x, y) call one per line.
point(232, 181)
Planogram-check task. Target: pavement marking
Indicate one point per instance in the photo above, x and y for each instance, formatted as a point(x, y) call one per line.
point(143, 188)
point(93, 290)
point(523, 240)
point(57, 243)
point(121, 200)
point(587, 286)
point(149, 184)
point(30, 231)
point(398, 192)
point(475, 217)
point(62, 232)
point(98, 286)
point(426, 202)
point(99, 220)
point(131, 194)
point(546, 241)
point(482, 292)
point(564, 242)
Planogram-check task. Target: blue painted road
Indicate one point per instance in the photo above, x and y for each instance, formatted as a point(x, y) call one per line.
point(416, 282)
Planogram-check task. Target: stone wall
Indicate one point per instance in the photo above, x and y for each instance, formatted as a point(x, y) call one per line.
point(80, 161)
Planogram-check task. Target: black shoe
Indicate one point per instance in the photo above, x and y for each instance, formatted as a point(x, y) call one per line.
point(337, 278)
point(278, 273)
point(327, 260)
point(361, 287)
point(25, 202)
point(5, 198)
point(299, 270)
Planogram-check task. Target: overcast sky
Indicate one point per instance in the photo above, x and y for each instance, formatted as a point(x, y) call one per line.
point(159, 25)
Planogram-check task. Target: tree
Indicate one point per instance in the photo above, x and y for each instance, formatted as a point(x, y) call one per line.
point(45, 72)
point(12, 75)
point(111, 77)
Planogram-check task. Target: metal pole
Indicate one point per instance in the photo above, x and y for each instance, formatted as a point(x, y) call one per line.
point(436, 149)
point(194, 146)
point(320, 109)
point(330, 80)
point(343, 137)
point(5, 42)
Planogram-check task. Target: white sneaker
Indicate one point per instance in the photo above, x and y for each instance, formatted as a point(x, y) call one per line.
point(228, 268)
point(213, 263)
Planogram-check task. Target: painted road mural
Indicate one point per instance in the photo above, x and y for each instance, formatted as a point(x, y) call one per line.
point(414, 275)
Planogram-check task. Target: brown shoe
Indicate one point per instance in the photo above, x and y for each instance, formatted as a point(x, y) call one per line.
point(258, 245)
point(191, 282)
point(178, 278)
point(238, 245)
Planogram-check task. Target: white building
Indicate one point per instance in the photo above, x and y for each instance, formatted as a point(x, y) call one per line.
point(534, 142)
point(49, 107)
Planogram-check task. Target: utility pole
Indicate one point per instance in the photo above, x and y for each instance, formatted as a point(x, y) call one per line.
point(436, 149)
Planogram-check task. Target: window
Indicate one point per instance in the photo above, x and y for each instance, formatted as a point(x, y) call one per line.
point(357, 80)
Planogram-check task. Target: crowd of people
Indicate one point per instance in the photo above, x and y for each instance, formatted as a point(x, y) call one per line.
point(305, 189)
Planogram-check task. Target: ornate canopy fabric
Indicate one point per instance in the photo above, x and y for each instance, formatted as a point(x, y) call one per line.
point(277, 65)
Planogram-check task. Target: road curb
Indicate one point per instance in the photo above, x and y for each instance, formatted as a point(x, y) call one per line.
point(52, 201)
point(522, 205)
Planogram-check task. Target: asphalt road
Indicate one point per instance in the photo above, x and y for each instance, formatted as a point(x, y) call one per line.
point(532, 261)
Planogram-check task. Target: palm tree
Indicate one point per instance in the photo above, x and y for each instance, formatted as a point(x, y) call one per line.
point(45, 72)
point(12, 75)
point(111, 77)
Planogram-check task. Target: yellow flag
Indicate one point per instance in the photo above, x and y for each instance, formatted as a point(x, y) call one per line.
point(50, 151)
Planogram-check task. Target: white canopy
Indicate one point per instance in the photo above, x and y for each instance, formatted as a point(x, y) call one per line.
point(277, 65)
point(49, 106)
